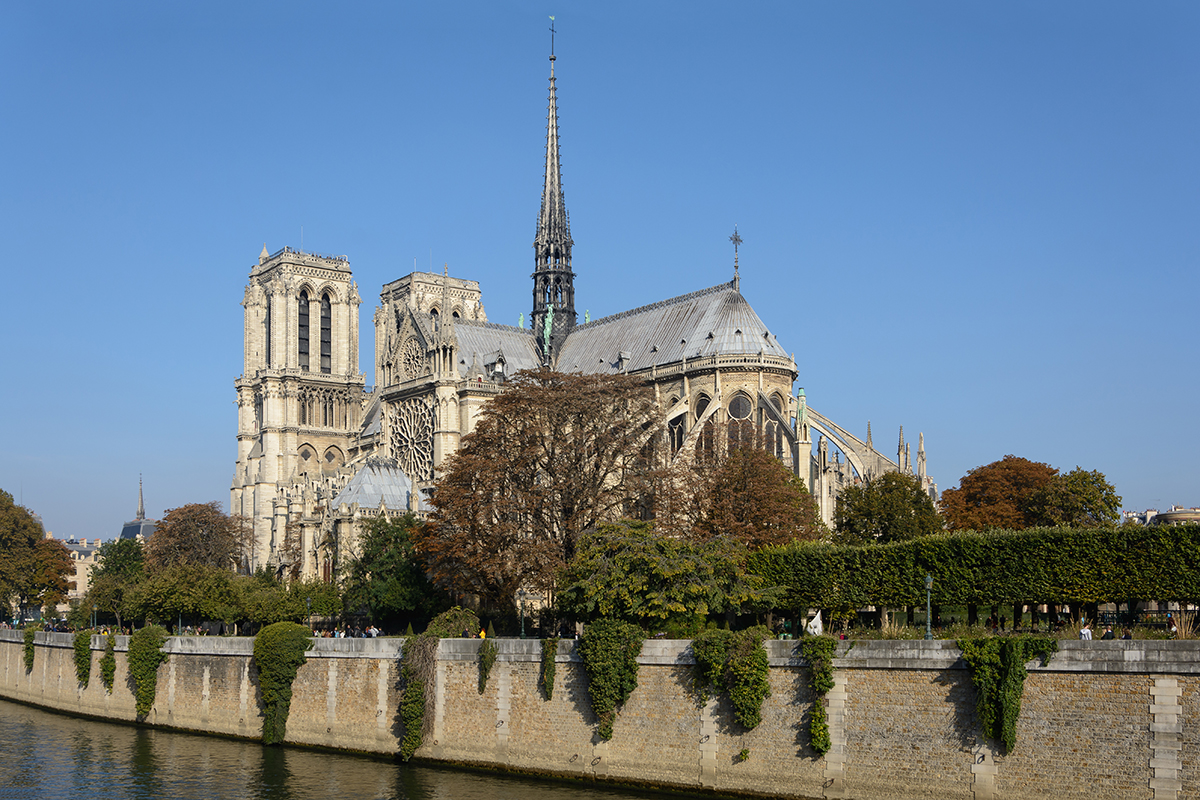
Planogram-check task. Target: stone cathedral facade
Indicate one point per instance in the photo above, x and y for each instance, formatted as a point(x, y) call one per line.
point(318, 451)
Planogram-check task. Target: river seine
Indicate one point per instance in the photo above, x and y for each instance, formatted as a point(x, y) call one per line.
point(49, 756)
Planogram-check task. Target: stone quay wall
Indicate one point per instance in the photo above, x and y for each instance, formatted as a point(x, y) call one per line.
point(1100, 720)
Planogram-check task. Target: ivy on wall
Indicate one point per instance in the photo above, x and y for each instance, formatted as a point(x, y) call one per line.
point(997, 666)
point(549, 667)
point(418, 671)
point(818, 652)
point(278, 653)
point(108, 662)
point(145, 655)
point(609, 649)
point(30, 650)
point(83, 657)
point(736, 664)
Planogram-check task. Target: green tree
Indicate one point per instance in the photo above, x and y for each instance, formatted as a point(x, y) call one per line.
point(124, 559)
point(386, 578)
point(755, 499)
point(627, 571)
point(1077, 499)
point(888, 508)
point(995, 495)
point(120, 564)
point(34, 570)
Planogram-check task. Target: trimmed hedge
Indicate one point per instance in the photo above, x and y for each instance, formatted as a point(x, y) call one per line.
point(1058, 565)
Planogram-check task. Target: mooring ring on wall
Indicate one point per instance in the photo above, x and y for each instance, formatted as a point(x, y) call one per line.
point(499, 722)
point(704, 738)
point(572, 760)
point(595, 761)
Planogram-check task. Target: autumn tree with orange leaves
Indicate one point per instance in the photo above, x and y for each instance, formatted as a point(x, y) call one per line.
point(550, 457)
point(754, 499)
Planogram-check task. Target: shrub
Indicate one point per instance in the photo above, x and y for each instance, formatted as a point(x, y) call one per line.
point(278, 653)
point(549, 667)
point(736, 664)
point(83, 657)
point(108, 662)
point(487, 658)
point(451, 624)
point(609, 650)
point(145, 655)
point(998, 672)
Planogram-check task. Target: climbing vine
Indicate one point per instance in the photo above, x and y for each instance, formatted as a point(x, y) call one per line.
point(487, 659)
point(998, 671)
point(818, 652)
point(108, 662)
point(549, 667)
point(278, 653)
point(735, 663)
point(145, 655)
point(83, 657)
point(30, 632)
point(609, 650)
point(419, 670)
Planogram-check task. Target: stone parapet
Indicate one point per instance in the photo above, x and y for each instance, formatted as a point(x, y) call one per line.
point(1100, 720)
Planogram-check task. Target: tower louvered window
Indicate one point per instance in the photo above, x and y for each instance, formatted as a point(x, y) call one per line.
point(303, 326)
point(267, 333)
point(326, 335)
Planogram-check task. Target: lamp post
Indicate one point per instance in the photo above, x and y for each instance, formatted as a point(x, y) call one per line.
point(928, 606)
point(522, 594)
point(93, 617)
point(308, 602)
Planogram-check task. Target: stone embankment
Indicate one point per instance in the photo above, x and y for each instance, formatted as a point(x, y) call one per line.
point(1101, 720)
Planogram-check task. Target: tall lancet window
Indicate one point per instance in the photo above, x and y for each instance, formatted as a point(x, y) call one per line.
point(304, 330)
point(326, 335)
point(267, 333)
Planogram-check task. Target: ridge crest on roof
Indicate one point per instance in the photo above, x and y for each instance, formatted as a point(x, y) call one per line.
point(496, 326)
point(660, 304)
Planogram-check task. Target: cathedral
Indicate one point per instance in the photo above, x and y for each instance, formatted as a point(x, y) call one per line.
point(319, 451)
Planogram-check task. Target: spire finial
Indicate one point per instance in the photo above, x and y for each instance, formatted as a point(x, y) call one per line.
point(737, 241)
point(552, 42)
point(141, 512)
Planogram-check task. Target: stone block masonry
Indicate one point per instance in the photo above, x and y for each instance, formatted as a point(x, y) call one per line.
point(1101, 720)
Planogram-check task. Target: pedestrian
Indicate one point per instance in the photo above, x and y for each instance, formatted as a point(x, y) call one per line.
point(1085, 633)
point(1108, 634)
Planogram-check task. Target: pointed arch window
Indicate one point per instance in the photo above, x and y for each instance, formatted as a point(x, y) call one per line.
point(326, 335)
point(302, 316)
point(267, 332)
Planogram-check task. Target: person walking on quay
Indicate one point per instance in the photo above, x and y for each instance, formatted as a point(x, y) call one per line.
point(1108, 633)
point(1085, 633)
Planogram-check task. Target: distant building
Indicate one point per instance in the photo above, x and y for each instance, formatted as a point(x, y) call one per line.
point(1177, 515)
point(139, 527)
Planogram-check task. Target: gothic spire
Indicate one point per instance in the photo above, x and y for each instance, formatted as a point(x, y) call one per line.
point(553, 240)
point(553, 316)
point(141, 512)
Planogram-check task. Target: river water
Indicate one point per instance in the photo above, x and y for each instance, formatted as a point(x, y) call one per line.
point(46, 756)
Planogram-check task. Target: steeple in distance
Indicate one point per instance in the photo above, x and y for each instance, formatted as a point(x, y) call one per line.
point(141, 512)
point(553, 280)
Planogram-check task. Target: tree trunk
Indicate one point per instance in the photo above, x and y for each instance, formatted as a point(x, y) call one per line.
point(972, 613)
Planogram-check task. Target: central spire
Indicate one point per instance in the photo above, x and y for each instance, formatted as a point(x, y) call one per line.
point(553, 280)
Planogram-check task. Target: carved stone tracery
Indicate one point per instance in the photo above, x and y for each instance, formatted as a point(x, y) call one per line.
point(410, 423)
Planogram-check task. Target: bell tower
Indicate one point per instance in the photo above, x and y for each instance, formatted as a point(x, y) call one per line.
point(553, 281)
point(300, 394)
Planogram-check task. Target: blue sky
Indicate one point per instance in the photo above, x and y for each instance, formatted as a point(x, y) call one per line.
point(973, 220)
